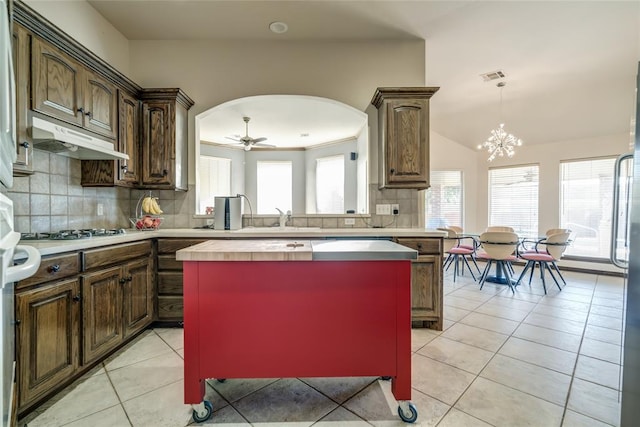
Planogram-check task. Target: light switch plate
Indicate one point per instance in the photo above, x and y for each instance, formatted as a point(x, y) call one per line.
point(383, 209)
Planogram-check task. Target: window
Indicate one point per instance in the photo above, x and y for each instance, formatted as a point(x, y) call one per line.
point(215, 180)
point(275, 186)
point(586, 202)
point(443, 201)
point(513, 198)
point(330, 185)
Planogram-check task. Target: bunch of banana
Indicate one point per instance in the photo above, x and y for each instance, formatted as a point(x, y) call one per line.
point(150, 205)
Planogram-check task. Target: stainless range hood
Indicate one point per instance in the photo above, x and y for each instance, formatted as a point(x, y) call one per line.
point(49, 136)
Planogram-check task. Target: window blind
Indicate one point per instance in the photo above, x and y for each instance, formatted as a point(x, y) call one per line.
point(275, 186)
point(586, 205)
point(443, 201)
point(513, 198)
point(214, 174)
point(330, 185)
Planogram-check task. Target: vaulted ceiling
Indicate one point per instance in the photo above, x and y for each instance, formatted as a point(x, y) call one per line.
point(570, 66)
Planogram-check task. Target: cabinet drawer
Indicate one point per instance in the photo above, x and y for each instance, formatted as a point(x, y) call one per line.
point(115, 254)
point(423, 246)
point(170, 282)
point(53, 268)
point(169, 262)
point(170, 246)
point(170, 308)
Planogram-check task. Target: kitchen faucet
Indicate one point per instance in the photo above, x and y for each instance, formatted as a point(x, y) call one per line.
point(284, 217)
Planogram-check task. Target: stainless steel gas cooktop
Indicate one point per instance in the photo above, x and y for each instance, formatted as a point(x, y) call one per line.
point(86, 233)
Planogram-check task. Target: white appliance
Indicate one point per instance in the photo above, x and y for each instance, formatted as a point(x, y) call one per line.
point(63, 140)
point(8, 275)
point(7, 100)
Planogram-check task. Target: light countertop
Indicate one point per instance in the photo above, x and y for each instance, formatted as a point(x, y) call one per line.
point(48, 247)
point(296, 250)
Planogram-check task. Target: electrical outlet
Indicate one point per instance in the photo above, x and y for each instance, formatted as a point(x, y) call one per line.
point(100, 209)
point(395, 209)
point(349, 221)
point(383, 209)
point(209, 222)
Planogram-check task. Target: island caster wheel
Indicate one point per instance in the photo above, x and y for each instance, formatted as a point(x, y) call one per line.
point(203, 416)
point(408, 418)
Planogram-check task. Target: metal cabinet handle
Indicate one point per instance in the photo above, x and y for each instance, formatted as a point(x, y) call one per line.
point(88, 114)
point(81, 110)
point(124, 168)
point(76, 298)
point(392, 171)
point(419, 246)
point(24, 144)
point(54, 268)
point(123, 280)
point(165, 172)
point(130, 278)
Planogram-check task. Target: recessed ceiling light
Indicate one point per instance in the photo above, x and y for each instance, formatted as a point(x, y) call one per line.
point(278, 27)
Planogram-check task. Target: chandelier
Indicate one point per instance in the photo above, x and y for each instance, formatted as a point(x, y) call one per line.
point(500, 142)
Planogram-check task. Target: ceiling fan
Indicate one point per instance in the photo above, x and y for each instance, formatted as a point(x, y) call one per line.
point(247, 141)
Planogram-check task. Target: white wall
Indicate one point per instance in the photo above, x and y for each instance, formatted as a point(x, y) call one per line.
point(83, 23)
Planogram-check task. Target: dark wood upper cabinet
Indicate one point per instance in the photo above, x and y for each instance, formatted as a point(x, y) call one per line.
point(403, 131)
point(21, 44)
point(129, 139)
point(164, 138)
point(68, 91)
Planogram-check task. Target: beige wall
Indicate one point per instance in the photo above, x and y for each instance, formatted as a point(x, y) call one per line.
point(212, 73)
point(83, 23)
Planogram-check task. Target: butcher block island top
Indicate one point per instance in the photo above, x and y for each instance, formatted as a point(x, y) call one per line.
point(295, 250)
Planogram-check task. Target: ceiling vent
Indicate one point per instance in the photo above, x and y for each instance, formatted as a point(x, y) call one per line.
point(492, 75)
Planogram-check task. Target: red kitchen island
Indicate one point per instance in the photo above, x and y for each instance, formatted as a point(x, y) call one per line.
point(329, 308)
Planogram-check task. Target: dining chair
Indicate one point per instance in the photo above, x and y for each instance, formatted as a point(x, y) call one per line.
point(457, 253)
point(554, 247)
point(462, 244)
point(500, 248)
point(537, 245)
point(500, 228)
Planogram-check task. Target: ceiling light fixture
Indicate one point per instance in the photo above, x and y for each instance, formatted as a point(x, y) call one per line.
point(278, 27)
point(500, 142)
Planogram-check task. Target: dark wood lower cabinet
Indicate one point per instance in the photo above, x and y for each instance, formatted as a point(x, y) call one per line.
point(66, 326)
point(137, 299)
point(101, 313)
point(47, 338)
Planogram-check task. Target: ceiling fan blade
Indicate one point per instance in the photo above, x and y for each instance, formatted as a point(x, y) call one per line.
point(233, 139)
point(262, 144)
point(256, 140)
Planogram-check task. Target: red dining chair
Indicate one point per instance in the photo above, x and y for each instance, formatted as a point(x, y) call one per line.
point(457, 253)
point(554, 247)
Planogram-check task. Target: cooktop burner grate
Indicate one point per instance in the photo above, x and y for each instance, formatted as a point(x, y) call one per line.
point(86, 233)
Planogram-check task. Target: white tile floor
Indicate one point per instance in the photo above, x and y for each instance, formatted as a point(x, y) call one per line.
point(502, 360)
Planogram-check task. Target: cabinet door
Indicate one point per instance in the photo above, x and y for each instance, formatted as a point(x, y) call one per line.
point(101, 312)
point(57, 83)
point(137, 296)
point(158, 143)
point(100, 105)
point(426, 291)
point(47, 337)
point(407, 144)
point(21, 42)
point(129, 139)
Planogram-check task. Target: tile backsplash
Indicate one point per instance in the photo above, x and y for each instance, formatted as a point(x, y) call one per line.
point(53, 199)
